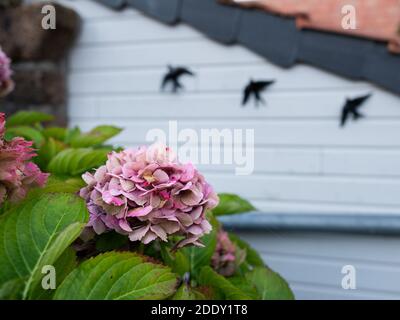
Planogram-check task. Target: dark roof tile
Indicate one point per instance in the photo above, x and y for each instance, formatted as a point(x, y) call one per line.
point(277, 38)
point(345, 56)
point(167, 11)
point(383, 68)
point(213, 19)
point(273, 37)
point(114, 4)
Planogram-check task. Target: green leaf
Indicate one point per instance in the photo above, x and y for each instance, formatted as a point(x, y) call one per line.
point(70, 134)
point(178, 261)
point(49, 149)
point(232, 204)
point(57, 133)
point(63, 266)
point(185, 292)
point(201, 256)
point(211, 278)
point(245, 286)
point(35, 234)
point(57, 185)
point(26, 132)
point(94, 137)
point(118, 276)
point(252, 256)
point(270, 285)
point(73, 162)
point(26, 118)
point(12, 290)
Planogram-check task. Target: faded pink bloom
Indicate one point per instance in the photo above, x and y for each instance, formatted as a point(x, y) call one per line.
point(147, 194)
point(224, 259)
point(17, 174)
point(6, 84)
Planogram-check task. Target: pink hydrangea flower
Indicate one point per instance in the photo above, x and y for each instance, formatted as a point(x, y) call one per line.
point(17, 174)
point(6, 84)
point(224, 259)
point(147, 194)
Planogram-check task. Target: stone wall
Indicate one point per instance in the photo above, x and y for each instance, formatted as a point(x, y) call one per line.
point(38, 57)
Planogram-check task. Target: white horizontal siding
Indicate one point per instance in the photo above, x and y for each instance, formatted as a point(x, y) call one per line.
point(301, 153)
point(304, 162)
point(312, 263)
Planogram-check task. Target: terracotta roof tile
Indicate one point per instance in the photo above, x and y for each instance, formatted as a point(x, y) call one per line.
point(375, 19)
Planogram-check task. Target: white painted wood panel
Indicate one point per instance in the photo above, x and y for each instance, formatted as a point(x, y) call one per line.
point(214, 78)
point(159, 54)
point(291, 132)
point(304, 162)
point(194, 105)
point(312, 263)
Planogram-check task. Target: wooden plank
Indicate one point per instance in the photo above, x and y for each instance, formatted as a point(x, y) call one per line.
point(312, 263)
point(279, 104)
point(344, 190)
point(269, 132)
point(89, 9)
point(362, 248)
point(312, 207)
point(216, 78)
point(159, 54)
point(132, 29)
point(322, 272)
point(308, 292)
point(361, 162)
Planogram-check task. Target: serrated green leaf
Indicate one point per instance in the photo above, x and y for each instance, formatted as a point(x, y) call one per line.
point(12, 290)
point(29, 133)
point(73, 162)
point(185, 292)
point(245, 286)
point(26, 118)
point(211, 278)
point(232, 204)
point(57, 133)
point(269, 284)
point(57, 185)
point(118, 276)
point(95, 137)
point(63, 266)
point(49, 149)
point(178, 261)
point(71, 134)
point(36, 233)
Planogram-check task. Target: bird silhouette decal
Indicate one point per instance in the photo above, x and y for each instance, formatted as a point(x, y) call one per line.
point(173, 76)
point(351, 108)
point(255, 88)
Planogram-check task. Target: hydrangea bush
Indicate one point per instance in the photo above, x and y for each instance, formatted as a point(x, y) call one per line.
point(17, 173)
point(147, 194)
point(116, 224)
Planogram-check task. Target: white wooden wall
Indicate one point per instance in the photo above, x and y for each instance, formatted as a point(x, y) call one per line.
point(313, 262)
point(304, 161)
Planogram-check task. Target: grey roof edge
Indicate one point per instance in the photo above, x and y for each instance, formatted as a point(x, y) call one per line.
point(383, 224)
point(379, 68)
